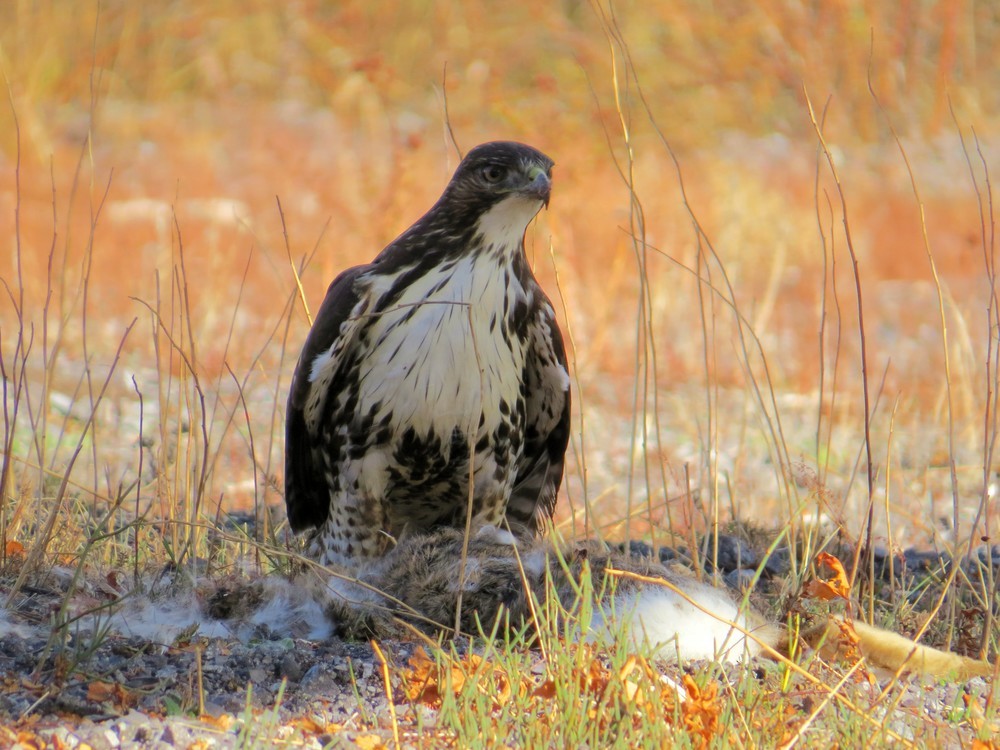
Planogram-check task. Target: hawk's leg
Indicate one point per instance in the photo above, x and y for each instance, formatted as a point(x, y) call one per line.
point(354, 532)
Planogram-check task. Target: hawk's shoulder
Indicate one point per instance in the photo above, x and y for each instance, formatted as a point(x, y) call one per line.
point(306, 499)
point(547, 420)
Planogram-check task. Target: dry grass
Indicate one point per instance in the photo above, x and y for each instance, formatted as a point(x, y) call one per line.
point(718, 175)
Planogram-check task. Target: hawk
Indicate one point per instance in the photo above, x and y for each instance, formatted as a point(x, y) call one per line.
point(438, 363)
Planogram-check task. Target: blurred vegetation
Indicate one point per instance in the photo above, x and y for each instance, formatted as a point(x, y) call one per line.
point(155, 137)
point(705, 67)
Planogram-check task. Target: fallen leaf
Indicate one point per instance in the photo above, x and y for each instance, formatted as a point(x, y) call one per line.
point(30, 741)
point(423, 678)
point(849, 639)
point(545, 691)
point(222, 721)
point(106, 692)
point(100, 691)
point(701, 710)
point(310, 726)
point(826, 589)
point(369, 742)
point(115, 581)
point(503, 690)
point(633, 693)
point(420, 678)
point(633, 690)
point(840, 641)
point(980, 722)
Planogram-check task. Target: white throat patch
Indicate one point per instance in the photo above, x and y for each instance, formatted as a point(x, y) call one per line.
point(502, 227)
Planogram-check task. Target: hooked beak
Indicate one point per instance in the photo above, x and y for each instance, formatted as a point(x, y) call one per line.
point(540, 186)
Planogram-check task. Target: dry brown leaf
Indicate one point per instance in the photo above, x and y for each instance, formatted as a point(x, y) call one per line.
point(633, 690)
point(546, 691)
point(836, 587)
point(628, 667)
point(14, 548)
point(100, 691)
point(701, 710)
point(503, 690)
point(369, 742)
point(419, 678)
point(849, 638)
point(422, 680)
point(633, 693)
point(310, 726)
point(115, 581)
point(30, 741)
point(848, 641)
point(979, 721)
point(107, 692)
point(222, 721)
point(596, 678)
point(840, 642)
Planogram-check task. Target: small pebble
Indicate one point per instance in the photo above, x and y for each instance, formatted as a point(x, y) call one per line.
point(290, 668)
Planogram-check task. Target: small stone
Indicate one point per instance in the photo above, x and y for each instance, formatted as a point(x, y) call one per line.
point(289, 667)
point(886, 564)
point(731, 554)
point(778, 563)
point(312, 674)
point(638, 548)
point(669, 554)
point(925, 562)
point(258, 675)
point(988, 555)
point(740, 579)
point(62, 737)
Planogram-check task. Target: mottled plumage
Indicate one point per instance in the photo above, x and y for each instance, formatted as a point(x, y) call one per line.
point(444, 336)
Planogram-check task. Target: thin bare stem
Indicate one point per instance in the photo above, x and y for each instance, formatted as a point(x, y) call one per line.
point(861, 317)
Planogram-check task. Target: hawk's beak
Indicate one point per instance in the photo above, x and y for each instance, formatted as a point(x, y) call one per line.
point(540, 186)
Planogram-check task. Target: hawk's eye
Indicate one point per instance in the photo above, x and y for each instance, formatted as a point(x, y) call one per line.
point(493, 173)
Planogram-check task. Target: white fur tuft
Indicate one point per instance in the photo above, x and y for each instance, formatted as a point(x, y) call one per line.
point(288, 608)
point(295, 609)
point(659, 620)
point(163, 620)
point(490, 533)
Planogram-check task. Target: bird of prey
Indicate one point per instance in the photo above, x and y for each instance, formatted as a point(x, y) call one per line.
point(437, 366)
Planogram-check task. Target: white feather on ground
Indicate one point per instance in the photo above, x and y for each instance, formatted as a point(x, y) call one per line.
point(655, 620)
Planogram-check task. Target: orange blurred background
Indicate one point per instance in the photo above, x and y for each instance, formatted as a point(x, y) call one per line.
point(145, 147)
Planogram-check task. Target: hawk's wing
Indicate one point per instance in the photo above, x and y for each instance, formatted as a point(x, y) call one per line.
point(547, 418)
point(307, 494)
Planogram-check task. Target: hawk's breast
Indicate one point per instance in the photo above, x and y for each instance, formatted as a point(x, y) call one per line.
point(443, 356)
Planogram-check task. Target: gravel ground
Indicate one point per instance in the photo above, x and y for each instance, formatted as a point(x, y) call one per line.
point(129, 693)
point(134, 692)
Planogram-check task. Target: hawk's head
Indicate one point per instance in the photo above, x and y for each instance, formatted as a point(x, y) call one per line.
point(492, 197)
point(502, 172)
